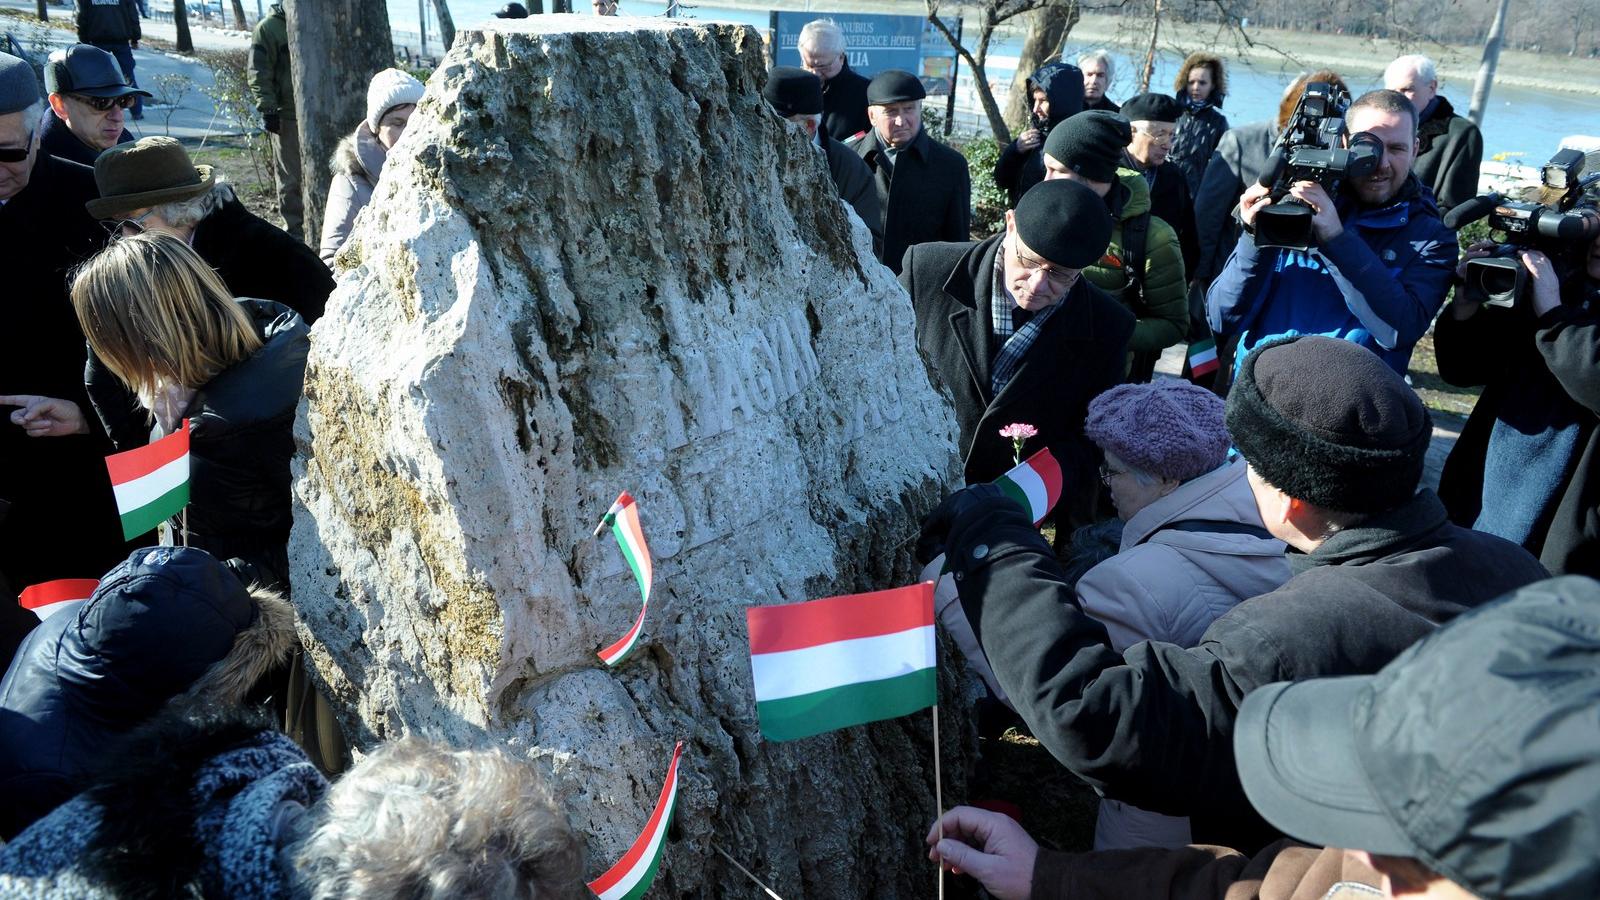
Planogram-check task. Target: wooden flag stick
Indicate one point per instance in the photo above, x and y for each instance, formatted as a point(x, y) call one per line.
point(184, 518)
point(938, 792)
point(747, 873)
point(600, 526)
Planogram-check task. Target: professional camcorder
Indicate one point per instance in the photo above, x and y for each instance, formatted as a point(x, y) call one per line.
point(1313, 148)
point(1560, 220)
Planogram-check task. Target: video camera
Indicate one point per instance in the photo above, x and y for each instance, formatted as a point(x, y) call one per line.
point(1312, 148)
point(1561, 223)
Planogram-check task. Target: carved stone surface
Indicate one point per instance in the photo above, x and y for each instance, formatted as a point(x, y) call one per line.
point(597, 262)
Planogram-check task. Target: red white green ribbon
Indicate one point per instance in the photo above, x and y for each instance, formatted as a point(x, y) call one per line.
point(623, 517)
point(630, 878)
point(151, 483)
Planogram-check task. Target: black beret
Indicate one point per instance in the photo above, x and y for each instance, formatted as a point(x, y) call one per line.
point(1064, 222)
point(1151, 108)
point(1328, 422)
point(894, 86)
point(793, 91)
point(1090, 143)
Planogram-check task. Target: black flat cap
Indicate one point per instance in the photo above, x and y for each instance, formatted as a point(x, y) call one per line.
point(18, 88)
point(1090, 143)
point(793, 91)
point(894, 86)
point(1151, 108)
point(1064, 222)
point(86, 70)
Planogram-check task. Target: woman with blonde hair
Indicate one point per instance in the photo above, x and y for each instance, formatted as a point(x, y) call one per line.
point(168, 342)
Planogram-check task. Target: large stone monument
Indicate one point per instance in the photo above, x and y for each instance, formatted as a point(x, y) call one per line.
point(598, 262)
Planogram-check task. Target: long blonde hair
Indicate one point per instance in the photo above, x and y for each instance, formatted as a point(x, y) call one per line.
point(156, 314)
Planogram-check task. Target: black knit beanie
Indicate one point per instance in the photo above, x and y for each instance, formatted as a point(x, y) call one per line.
point(1328, 422)
point(1090, 143)
point(793, 91)
point(1064, 222)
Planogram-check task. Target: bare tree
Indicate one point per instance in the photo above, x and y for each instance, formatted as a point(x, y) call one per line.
point(44, 11)
point(180, 21)
point(991, 14)
point(335, 47)
point(1046, 33)
point(1491, 59)
point(1148, 70)
point(447, 25)
point(239, 20)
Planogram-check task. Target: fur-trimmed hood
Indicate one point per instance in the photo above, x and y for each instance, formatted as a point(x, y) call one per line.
point(169, 626)
point(359, 156)
point(199, 802)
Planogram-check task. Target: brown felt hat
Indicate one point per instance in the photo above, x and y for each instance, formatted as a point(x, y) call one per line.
point(146, 172)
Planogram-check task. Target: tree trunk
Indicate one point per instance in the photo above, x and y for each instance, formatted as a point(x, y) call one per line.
point(44, 10)
point(239, 20)
point(447, 25)
point(1491, 59)
point(335, 47)
point(1047, 30)
point(180, 21)
point(1149, 68)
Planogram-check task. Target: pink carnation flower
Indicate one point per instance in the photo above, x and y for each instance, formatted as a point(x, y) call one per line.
point(1019, 431)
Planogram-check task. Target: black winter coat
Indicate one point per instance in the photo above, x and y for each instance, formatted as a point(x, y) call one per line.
point(258, 259)
point(59, 141)
point(1019, 169)
point(1199, 130)
point(1449, 152)
point(1153, 726)
point(62, 521)
point(1171, 202)
point(926, 195)
point(1103, 103)
point(1080, 352)
point(844, 104)
point(1240, 158)
point(240, 444)
point(854, 182)
point(108, 21)
point(1535, 373)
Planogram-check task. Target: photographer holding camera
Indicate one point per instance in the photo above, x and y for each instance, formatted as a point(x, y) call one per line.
point(1373, 262)
point(1525, 467)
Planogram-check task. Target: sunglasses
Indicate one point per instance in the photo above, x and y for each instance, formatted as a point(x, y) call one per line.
point(17, 154)
point(104, 104)
point(129, 227)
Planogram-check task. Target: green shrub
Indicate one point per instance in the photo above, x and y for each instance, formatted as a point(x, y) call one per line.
point(988, 200)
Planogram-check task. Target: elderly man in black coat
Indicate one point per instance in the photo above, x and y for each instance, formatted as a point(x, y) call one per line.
point(1155, 118)
point(923, 186)
point(844, 90)
point(796, 95)
point(1335, 441)
point(57, 515)
point(1017, 335)
point(1449, 147)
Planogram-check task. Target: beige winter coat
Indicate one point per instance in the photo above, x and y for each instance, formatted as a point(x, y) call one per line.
point(1168, 585)
point(356, 165)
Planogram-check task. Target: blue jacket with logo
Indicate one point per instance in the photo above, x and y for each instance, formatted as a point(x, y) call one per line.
point(1378, 284)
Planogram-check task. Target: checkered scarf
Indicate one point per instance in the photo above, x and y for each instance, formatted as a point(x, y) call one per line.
point(1015, 340)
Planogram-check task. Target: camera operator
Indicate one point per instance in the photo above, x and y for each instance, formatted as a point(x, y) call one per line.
point(1381, 264)
point(1527, 464)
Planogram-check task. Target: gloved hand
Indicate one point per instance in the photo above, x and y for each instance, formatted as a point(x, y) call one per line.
point(271, 122)
point(936, 527)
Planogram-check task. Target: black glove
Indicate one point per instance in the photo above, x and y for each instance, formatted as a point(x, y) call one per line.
point(936, 527)
point(271, 122)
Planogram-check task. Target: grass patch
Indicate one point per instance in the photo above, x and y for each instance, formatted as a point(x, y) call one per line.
point(232, 157)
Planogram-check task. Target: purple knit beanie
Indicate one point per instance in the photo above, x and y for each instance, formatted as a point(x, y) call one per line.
point(1168, 428)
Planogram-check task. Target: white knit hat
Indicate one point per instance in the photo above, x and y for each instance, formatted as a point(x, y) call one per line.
point(390, 88)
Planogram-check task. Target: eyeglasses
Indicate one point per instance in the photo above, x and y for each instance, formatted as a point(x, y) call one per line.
point(131, 226)
point(1059, 278)
point(104, 104)
point(17, 154)
point(1107, 473)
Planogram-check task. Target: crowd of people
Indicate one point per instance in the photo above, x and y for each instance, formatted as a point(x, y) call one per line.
point(1287, 665)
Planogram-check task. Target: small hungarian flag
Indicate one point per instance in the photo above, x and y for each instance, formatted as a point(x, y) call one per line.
point(623, 517)
point(50, 597)
point(1036, 484)
point(631, 876)
point(1203, 357)
point(842, 661)
point(152, 482)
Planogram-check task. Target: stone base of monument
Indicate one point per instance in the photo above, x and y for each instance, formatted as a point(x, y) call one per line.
point(597, 262)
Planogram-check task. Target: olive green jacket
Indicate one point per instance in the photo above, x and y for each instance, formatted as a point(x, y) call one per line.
point(1163, 312)
point(271, 81)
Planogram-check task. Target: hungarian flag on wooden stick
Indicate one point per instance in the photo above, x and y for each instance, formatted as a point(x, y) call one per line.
point(1203, 357)
point(50, 597)
point(1035, 483)
point(152, 482)
point(623, 517)
point(631, 876)
point(842, 661)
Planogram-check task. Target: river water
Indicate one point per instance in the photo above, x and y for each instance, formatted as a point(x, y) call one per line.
point(1524, 123)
